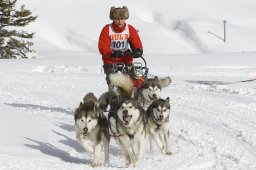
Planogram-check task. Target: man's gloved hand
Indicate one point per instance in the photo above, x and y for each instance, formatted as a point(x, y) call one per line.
point(137, 53)
point(117, 54)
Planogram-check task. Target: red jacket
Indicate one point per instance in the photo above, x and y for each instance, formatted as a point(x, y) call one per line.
point(104, 43)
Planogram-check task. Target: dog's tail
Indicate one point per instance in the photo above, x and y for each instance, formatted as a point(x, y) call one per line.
point(164, 82)
point(123, 82)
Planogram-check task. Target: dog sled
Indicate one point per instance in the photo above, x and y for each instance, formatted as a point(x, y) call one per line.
point(138, 71)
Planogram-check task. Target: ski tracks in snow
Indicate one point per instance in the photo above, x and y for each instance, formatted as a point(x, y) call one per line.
point(212, 126)
point(219, 126)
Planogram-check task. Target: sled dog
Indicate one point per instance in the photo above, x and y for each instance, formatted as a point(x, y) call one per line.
point(128, 125)
point(157, 125)
point(92, 125)
point(121, 86)
point(150, 90)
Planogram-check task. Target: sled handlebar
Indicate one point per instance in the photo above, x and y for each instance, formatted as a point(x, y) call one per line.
point(129, 53)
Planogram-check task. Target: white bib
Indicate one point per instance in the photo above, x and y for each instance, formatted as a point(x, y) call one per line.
point(119, 41)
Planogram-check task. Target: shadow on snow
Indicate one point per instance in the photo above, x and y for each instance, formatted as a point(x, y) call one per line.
point(51, 150)
point(33, 106)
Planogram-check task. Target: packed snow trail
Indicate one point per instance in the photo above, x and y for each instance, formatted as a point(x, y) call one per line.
point(213, 126)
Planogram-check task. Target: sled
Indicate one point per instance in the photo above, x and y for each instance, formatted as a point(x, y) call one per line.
point(138, 71)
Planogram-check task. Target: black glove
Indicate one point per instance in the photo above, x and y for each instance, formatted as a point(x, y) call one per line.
point(117, 54)
point(137, 53)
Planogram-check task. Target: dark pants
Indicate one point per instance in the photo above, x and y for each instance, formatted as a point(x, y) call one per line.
point(108, 69)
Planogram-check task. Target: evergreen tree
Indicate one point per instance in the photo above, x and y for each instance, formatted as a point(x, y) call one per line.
point(13, 40)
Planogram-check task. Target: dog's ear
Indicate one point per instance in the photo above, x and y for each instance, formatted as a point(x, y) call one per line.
point(164, 82)
point(104, 101)
point(156, 79)
point(167, 99)
point(81, 105)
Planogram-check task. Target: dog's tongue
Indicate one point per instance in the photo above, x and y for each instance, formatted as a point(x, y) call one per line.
point(127, 119)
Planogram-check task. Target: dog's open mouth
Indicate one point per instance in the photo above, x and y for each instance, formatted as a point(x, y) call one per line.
point(127, 119)
point(159, 119)
point(85, 133)
point(152, 98)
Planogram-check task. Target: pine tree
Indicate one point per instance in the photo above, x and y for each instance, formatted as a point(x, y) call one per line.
point(13, 40)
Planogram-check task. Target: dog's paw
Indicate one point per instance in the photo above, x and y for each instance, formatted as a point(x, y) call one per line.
point(95, 163)
point(136, 164)
point(107, 161)
point(129, 165)
point(168, 153)
point(128, 162)
point(89, 149)
point(163, 150)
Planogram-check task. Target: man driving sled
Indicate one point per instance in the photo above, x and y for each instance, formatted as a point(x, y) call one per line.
point(117, 40)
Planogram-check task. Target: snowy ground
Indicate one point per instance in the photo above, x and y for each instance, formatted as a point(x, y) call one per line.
point(213, 115)
point(213, 92)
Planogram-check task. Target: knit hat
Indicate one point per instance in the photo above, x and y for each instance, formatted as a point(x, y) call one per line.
point(119, 13)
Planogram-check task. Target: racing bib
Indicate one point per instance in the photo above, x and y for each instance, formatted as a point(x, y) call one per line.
point(119, 41)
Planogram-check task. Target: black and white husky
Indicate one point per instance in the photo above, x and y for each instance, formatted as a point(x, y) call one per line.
point(128, 126)
point(157, 125)
point(150, 90)
point(92, 125)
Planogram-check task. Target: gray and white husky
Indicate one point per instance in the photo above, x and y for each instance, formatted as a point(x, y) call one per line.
point(121, 86)
point(128, 125)
point(157, 125)
point(92, 125)
point(150, 90)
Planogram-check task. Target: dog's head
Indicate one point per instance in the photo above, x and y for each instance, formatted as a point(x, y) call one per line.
point(87, 116)
point(151, 88)
point(160, 110)
point(129, 111)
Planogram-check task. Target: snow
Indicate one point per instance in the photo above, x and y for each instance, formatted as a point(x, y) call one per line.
point(213, 92)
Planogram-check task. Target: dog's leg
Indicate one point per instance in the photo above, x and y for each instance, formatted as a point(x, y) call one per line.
point(159, 143)
point(84, 144)
point(96, 158)
point(127, 157)
point(162, 138)
point(167, 141)
point(106, 141)
point(151, 144)
point(133, 157)
point(113, 125)
point(141, 149)
point(131, 153)
point(125, 143)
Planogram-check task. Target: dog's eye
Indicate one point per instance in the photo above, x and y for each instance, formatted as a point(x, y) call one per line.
point(130, 107)
point(164, 110)
point(89, 120)
point(82, 120)
point(158, 110)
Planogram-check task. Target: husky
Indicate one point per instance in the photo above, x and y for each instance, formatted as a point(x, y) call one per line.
point(157, 125)
point(129, 123)
point(150, 90)
point(121, 86)
point(92, 125)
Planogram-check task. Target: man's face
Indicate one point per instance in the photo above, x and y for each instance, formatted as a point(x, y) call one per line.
point(120, 22)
